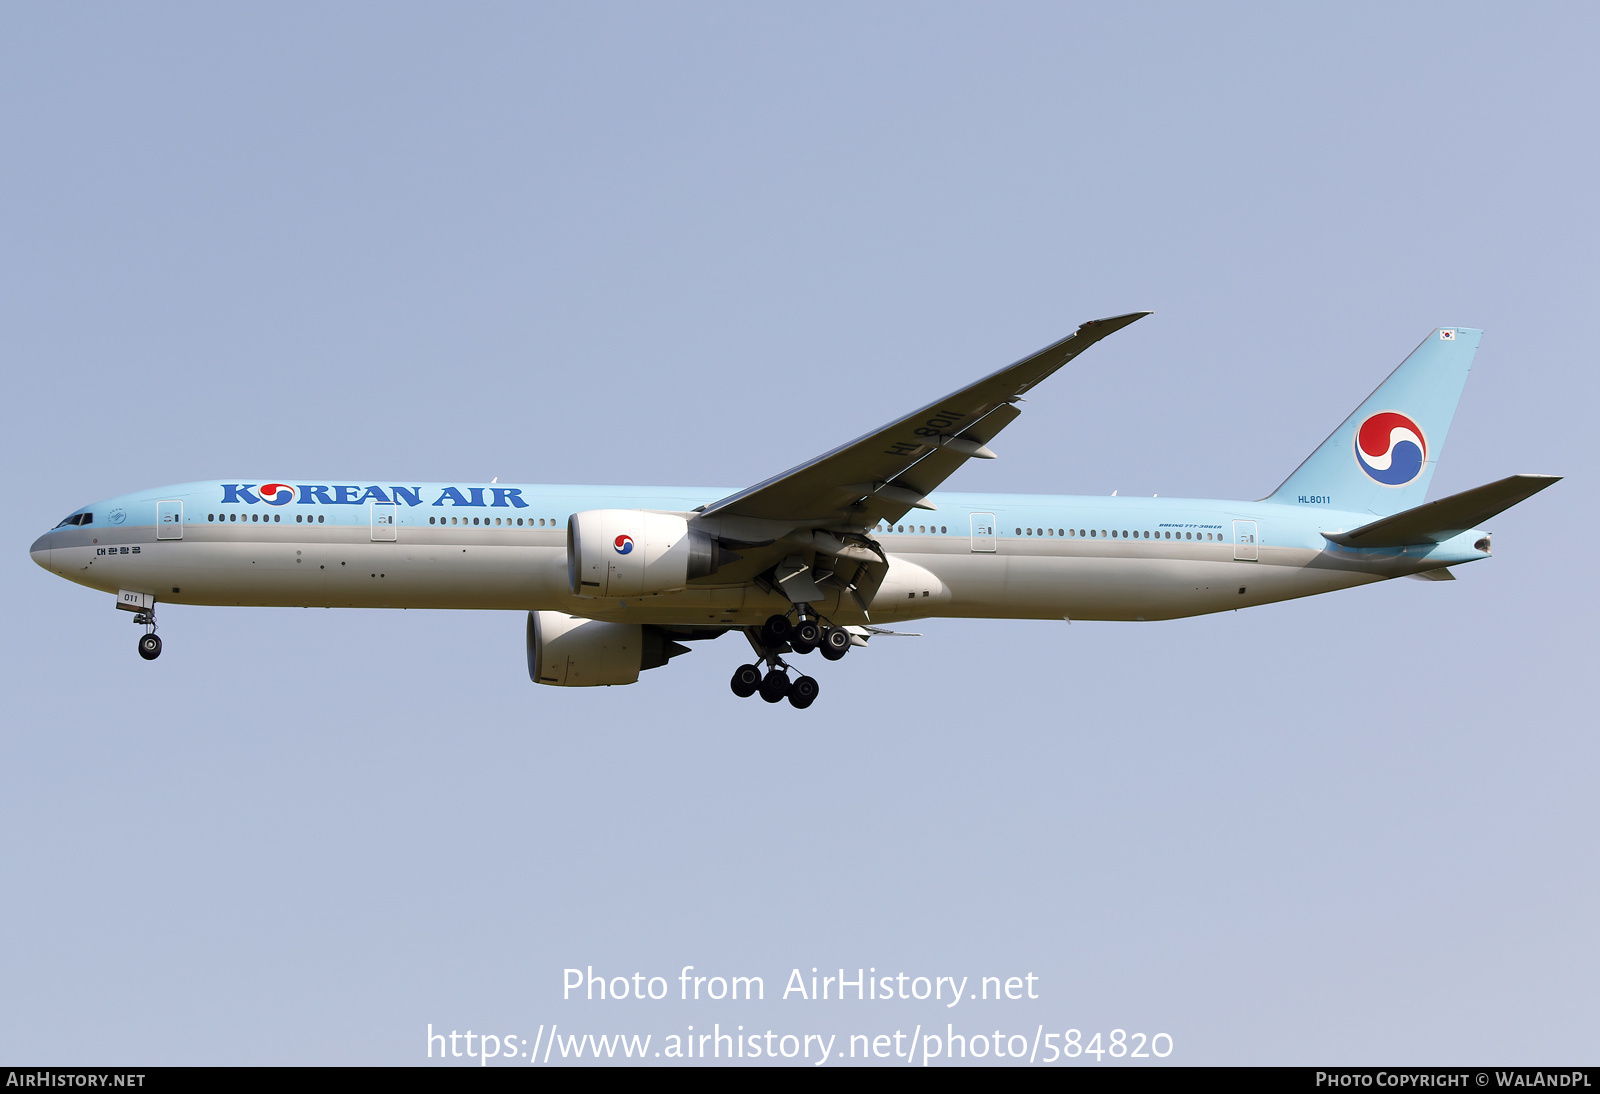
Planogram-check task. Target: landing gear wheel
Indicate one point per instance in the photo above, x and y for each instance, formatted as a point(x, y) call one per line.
point(835, 643)
point(807, 636)
point(776, 630)
point(803, 692)
point(775, 686)
point(149, 647)
point(746, 679)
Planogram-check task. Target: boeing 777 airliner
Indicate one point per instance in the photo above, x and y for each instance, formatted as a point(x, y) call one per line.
point(616, 578)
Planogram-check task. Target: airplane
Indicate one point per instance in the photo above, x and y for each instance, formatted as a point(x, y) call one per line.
point(616, 579)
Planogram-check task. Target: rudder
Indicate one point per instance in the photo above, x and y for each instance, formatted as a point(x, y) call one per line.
point(1382, 458)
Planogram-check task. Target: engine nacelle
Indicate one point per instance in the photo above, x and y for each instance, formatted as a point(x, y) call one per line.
point(570, 651)
point(630, 552)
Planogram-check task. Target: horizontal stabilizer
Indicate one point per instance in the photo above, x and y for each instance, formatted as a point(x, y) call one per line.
point(1440, 520)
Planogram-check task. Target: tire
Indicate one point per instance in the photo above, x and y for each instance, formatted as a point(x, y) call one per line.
point(835, 643)
point(807, 633)
point(775, 686)
point(746, 679)
point(776, 630)
point(803, 692)
point(149, 647)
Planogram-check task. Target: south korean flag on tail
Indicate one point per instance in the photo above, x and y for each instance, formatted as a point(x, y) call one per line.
point(1447, 336)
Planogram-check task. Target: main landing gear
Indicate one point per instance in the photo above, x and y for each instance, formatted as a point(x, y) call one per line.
point(770, 640)
point(775, 686)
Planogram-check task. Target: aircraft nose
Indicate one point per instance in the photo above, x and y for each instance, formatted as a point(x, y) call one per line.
point(40, 551)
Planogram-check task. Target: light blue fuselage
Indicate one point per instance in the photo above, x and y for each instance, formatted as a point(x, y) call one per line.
point(504, 546)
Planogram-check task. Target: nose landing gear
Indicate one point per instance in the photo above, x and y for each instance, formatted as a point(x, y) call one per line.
point(144, 608)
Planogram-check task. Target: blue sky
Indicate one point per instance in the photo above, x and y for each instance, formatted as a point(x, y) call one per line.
point(701, 243)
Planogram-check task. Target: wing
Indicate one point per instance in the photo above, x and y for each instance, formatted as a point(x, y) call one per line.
point(887, 472)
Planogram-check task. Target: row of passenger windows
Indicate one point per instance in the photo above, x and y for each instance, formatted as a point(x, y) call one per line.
point(1064, 533)
point(1101, 533)
point(264, 518)
point(277, 518)
point(496, 521)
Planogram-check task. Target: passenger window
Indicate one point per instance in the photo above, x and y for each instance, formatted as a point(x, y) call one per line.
point(1091, 533)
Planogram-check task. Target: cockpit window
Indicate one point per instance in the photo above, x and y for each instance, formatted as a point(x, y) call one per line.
point(77, 519)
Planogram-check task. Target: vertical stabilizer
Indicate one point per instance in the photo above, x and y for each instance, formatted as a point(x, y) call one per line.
point(1382, 458)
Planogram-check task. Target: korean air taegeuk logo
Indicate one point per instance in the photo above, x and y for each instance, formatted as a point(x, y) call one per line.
point(1390, 448)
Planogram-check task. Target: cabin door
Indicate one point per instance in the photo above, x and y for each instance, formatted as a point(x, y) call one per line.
point(1245, 547)
point(169, 520)
point(983, 532)
point(383, 521)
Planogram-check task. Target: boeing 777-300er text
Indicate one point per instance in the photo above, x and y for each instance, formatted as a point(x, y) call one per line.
point(615, 579)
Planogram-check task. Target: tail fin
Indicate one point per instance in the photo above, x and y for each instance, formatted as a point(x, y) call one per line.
point(1382, 458)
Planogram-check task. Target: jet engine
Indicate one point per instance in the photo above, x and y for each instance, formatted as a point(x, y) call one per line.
point(570, 651)
point(631, 552)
